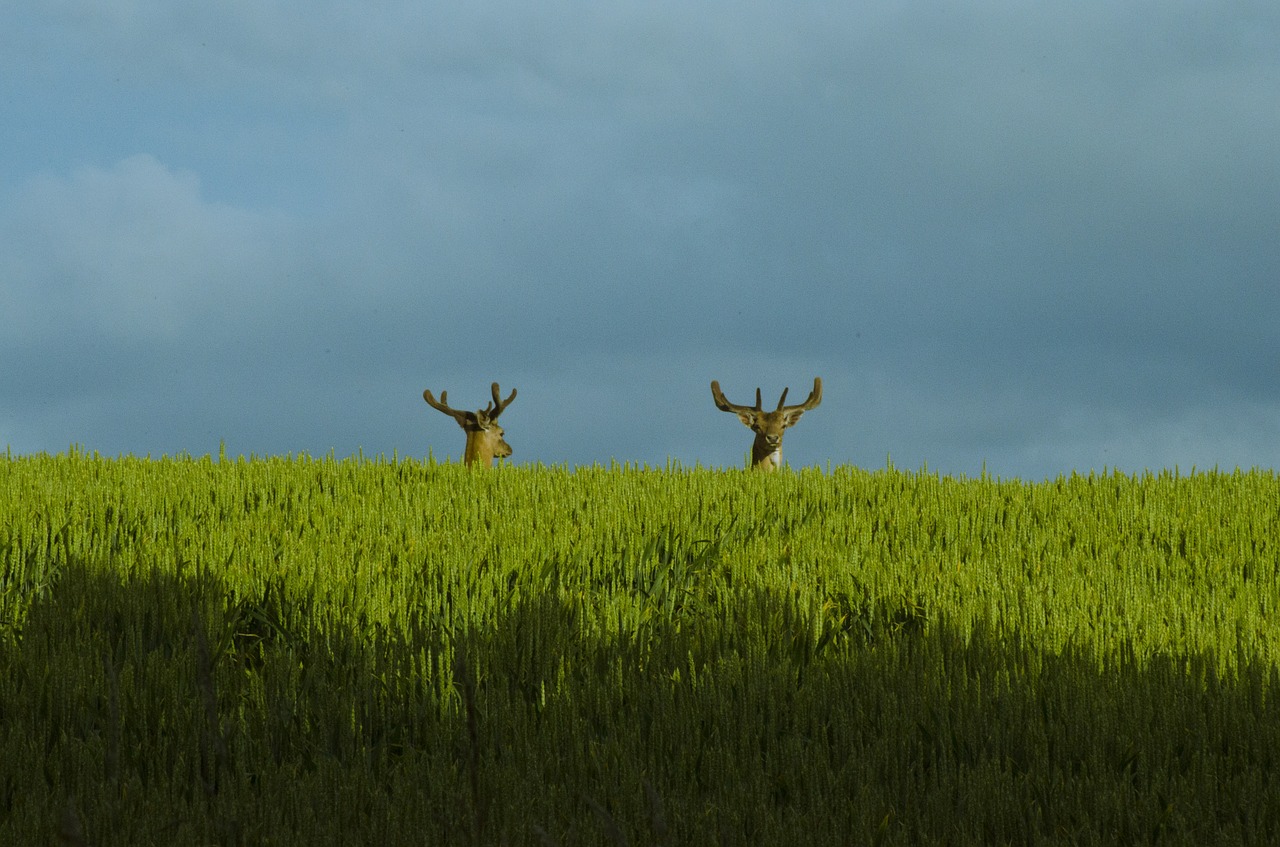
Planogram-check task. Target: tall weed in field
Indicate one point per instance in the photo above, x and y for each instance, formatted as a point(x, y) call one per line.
point(299, 650)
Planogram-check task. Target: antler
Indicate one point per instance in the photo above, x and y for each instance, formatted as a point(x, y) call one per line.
point(495, 408)
point(463, 417)
point(815, 397)
point(443, 406)
point(725, 406)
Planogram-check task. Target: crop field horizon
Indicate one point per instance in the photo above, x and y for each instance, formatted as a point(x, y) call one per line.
point(299, 650)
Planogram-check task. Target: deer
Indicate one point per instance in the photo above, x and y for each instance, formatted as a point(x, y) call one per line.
point(766, 451)
point(484, 437)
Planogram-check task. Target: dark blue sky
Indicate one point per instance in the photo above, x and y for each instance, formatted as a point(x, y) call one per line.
point(1043, 239)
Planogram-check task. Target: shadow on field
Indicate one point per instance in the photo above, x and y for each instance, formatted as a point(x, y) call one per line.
point(159, 709)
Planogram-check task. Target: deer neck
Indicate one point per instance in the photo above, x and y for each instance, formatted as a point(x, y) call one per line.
point(765, 457)
point(479, 449)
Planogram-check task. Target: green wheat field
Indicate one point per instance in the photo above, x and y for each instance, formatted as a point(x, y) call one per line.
point(206, 650)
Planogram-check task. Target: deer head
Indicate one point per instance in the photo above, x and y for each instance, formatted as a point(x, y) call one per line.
point(766, 452)
point(484, 436)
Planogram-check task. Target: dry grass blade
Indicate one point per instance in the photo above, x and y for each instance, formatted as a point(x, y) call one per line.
point(466, 680)
point(610, 825)
point(70, 832)
point(209, 696)
point(657, 817)
point(544, 837)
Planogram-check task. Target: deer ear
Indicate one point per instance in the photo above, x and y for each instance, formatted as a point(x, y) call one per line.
point(792, 418)
point(748, 418)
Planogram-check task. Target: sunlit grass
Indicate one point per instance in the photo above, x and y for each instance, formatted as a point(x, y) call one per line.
point(303, 650)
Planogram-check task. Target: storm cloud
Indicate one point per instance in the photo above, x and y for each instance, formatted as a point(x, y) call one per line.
point(1029, 238)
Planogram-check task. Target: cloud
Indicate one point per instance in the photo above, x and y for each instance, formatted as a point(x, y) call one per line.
point(127, 291)
point(996, 232)
point(130, 252)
